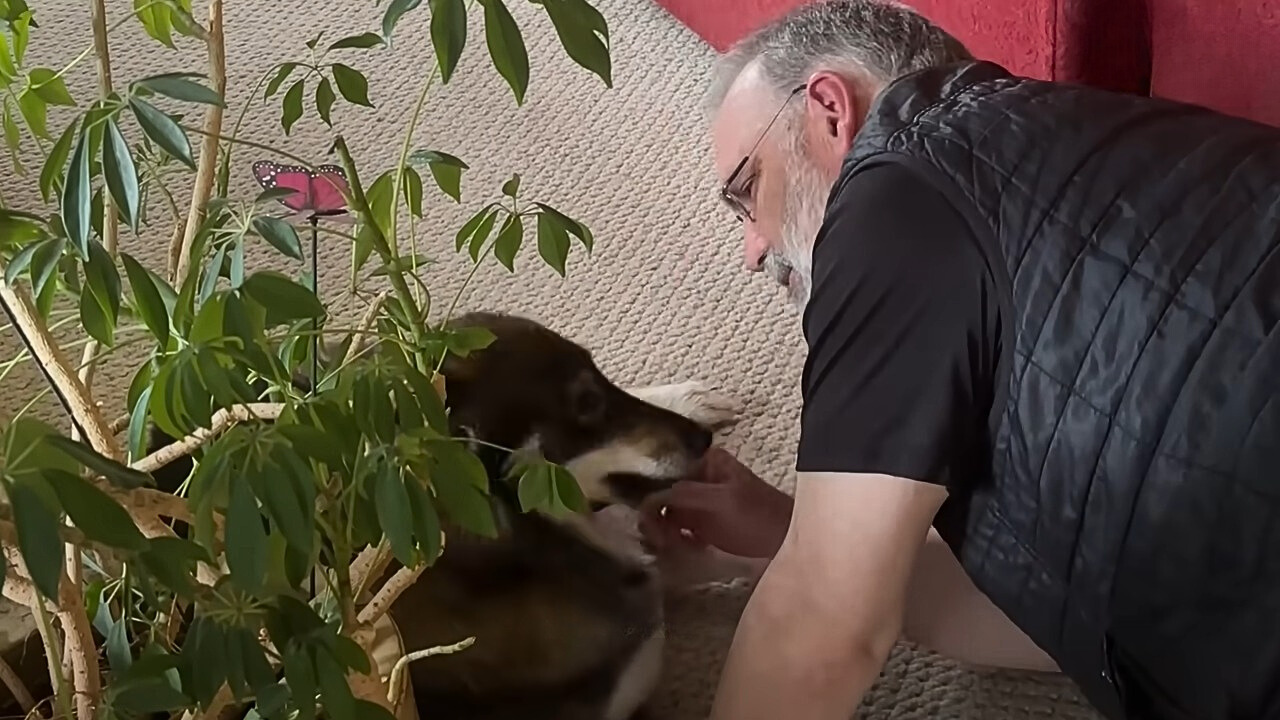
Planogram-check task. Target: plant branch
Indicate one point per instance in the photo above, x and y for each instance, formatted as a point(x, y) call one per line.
point(68, 385)
point(398, 670)
point(203, 188)
point(222, 420)
point(389, 593)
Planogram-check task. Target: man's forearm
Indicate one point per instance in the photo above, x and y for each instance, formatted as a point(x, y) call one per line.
point(781, 665)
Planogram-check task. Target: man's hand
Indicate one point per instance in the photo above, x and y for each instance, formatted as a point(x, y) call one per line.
point(828, 610)
point(724, 505)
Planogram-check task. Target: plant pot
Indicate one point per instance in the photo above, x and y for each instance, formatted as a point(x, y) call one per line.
point(387, 649)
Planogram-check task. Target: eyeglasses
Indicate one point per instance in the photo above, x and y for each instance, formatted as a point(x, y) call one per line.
point(734, 199)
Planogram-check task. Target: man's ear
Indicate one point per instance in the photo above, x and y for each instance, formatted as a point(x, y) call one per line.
point(834, 108)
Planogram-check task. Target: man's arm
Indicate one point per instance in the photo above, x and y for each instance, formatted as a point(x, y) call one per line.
point(828, 610)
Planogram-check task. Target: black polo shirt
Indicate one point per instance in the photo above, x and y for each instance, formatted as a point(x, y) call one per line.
point(903, 333)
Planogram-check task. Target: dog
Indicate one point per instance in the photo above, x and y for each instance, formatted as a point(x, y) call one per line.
point(567, 625)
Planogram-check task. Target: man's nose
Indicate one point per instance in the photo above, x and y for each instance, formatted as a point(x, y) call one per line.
point(755, 247)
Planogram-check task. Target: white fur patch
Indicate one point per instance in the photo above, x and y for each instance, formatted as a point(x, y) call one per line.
point(698, 401)
point(638, 681)
point(591, 469)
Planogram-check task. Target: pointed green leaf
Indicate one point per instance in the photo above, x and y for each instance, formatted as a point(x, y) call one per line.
point(510, 237)
point(245, 538)
point(98, 516)
point(364, 41)
point(163, 131)
point(76, 197)
point(535, 487)
point(147, 298)
point(50, 87)
point(39, 544)
point(506, 47)
point(426, 521)
point(116, 473)
point(412, 183)
point(285, 300)
point(511, 187)
point(291, 107)
point(121, 173)
point(553, 243)
point(324, 101)
point(281, 235)
point(36, 112)
point(44, 265)
point(56, 163)
point(445, 169)
point(567, 491)
point(571, 226)
point(282, 74)
point(395, 11)
point(394, 512)
point(448, 34)
point(352, 84)
point(583, 33)
point(481, 235)
point(180, 86)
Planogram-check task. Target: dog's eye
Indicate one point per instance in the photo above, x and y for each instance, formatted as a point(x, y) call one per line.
point(587, 403)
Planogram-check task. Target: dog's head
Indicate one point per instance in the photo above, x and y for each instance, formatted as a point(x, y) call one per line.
point(532, 388)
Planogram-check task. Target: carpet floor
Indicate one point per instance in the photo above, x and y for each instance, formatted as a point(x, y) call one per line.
point(662, 298)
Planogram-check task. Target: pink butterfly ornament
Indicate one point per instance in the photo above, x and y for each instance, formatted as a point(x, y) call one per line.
point(309, 194)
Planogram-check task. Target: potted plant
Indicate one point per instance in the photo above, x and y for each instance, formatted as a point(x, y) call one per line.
point(230, 591)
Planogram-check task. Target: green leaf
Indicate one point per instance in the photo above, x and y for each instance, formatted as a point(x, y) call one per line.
point(100, 301)
point(339, 702)
point(583, 34)
point(511, 187)
point(282, 74)
point(76, 197)
point(363, 41)
point(44, 264)
point(394, 512)
point(146, 296)
point(461, 485)
point(567, 491)
point(445, 169)
point(121, 476)
point(428, 399)
point(245, 538)
point(324, 100)
point(395, 11)
point(553, 243)
point(12, 136)
point(482, 233)
point(121, 174)
point(287, 508)
point(3, 570)
point(426, 522)
point(204, 653)
point(285, 300)
point(535, 487)
point(35, 112)
point(412, 184)
point(509, 240)
point(300, 675)
point(156, 19)
point(138, 425)
point(163, 131)
point(37, 524)
point(236, 272)
point(280, 234)
point(291, 107)
point(97, 515)
point(462, 341)
point(179, 86)
point(571, 226)
point(352, 84)
point(51, 173)
point(506, 47)
point(469, 228)
point(448, 34)
point(119, 655)
point(50, 87)
point(7, 69)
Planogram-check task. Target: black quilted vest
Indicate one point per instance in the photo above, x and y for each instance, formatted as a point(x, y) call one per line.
point(1130, 518)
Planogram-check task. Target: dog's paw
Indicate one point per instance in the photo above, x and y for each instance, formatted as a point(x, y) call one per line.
point(698, 401)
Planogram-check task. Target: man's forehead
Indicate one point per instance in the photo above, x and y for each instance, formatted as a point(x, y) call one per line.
point(741, 118)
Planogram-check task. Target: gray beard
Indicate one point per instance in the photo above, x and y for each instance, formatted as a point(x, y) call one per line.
point(803, 210)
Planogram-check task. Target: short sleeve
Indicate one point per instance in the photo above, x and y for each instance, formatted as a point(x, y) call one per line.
point(902, 334)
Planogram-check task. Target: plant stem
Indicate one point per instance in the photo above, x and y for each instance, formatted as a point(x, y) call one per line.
point(203, 188)
point(404, 150)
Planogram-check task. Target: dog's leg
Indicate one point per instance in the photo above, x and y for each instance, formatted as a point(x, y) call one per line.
point(698, 401)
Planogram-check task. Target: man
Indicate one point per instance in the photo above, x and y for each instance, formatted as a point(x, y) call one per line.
point(1041, 321)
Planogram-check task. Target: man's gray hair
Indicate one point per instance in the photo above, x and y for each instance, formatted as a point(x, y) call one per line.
point(884, 39)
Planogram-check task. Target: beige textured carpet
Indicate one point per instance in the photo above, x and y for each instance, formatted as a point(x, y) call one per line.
point(662, 299)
